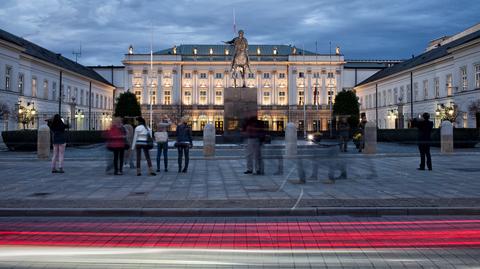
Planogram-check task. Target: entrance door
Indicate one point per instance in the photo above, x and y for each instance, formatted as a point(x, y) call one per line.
point(280, 126)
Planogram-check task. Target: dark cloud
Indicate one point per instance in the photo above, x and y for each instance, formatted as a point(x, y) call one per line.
point(364, 29)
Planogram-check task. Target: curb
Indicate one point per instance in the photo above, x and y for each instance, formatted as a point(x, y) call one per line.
point(236, 212)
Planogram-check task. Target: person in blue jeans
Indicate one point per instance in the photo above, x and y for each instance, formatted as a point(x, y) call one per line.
point(161, 138)
point(184, 143)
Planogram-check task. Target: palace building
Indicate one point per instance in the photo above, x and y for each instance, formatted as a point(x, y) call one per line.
point(293, 85)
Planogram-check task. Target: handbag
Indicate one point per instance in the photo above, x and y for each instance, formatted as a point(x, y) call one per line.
point(149, 141)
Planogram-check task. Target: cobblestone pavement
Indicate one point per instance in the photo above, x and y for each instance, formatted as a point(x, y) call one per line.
point(300, 242)
point(220, 182)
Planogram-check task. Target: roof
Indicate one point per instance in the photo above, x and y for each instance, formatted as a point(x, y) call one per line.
point(421, 59)
point(369, 64)
point(218, 52)
point(51, 57)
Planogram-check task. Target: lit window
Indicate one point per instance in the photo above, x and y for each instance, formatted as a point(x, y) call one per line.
point(203, 97)
point(218, 97)
point(187, 98)
point(266, 98)
point(282, 98)
point(463, 73)
point(138, 94)
point(8, 74)
point(300, 98)
point(21, 78)
point(34, 87)
point(166, 98)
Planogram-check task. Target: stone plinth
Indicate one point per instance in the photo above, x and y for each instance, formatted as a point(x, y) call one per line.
point(446, 137)
point(370, 137)
point(209, 140)
point(239, 105)
point(291, 140)
point(43, 142)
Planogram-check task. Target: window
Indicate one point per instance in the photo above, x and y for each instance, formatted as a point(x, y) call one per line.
point(281, 75)
point(300, 97)
point(62, 92)
point(266, 97)
point(153, 97)
point(218, 97)
point(330, 75)
point(45, 89)
point(425, 89)
point(409, 93)
point(218, 75)
point(395, 95)
point(301, 74)
point(167, 98)
point(54, 91)
point(81, 96)
point(187, 98)
point(69, 94)
point(449, 84)
point(8, 74)
point(477, 76)
point(384, 98)
point(21, 79)
point(390, 97)
point(203, 75)
point(282, 98)
point(101, 101)
point(251, 75)
point(463, 75)
point(266, 75)
point(75, 94)
point(203, 97)
point(188, 75)
point(34, 87)
point(436, 86)
point(96, 101)
point(401, 98)
point(316, 75)
point(138, 94)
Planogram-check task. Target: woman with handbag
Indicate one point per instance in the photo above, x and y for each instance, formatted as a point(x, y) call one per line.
point(142, 141)
point(184, 143)
point(116, 142)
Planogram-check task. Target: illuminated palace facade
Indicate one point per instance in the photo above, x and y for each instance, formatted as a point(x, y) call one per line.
point(293, 85)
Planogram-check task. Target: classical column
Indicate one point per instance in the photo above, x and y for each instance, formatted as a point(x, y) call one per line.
point(211, 91)
point(324, 98)
point(259, 87)
point(274, 96)
point(159, 87)
point(194, 96)
point(145, 92)
point(292, 86)
point(308, 94)
point(176, 86)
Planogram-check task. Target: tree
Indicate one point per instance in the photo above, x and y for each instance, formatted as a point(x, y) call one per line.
point(127, 106)
point(346, 104)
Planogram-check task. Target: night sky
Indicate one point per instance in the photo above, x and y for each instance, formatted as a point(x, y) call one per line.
point(364, 29)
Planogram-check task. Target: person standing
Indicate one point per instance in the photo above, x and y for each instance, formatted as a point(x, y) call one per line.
point(424, 126)
point(116, 142)
point(57, 127)
point(161, 138)
point(343, 133)
point(184, 143)
point(142, 141)
point(253, 132)
point(128, 153)
point(361, 128)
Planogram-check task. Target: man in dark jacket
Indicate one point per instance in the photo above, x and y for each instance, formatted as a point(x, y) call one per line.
point(184, 143)
point(425, 127)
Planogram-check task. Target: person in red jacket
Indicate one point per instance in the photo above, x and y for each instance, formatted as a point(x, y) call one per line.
point(116, 142)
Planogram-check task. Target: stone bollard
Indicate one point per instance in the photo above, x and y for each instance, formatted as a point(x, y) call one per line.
point(43, 142)
point(370, 138)
point(209, 140)
point(446, 137)
point(291, 140)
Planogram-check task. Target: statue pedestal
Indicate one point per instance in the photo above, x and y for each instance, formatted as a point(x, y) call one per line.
point(239, 105)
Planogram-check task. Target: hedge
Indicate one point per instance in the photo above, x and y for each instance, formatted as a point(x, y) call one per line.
point(26, 140)
point(462, 137)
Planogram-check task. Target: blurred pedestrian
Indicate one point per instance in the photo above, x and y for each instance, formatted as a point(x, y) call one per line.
point(254, 133)
point(184, 143)
point(143, 141)
point(361, 132)
point(57, 127)
point(425, 127)
point(128, 160)
point(161, 138)
point(116, 142)
point(343, 133)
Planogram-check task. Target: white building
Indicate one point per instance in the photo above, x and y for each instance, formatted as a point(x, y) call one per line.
point(447, 75)
point(30, 78)
point(293, 85)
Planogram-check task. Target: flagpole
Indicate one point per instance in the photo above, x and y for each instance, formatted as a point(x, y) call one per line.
point(151, 78)
point(304, 96)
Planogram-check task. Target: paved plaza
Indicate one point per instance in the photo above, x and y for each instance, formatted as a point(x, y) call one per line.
point(387, 179)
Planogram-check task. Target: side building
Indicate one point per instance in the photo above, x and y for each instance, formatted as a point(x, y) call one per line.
point(293, 85)
point(445, 79)
point(36, 83)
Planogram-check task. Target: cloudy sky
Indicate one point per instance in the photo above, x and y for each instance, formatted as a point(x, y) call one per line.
point(364, 29)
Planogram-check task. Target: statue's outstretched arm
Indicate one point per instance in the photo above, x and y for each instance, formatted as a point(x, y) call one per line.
point(229, 42)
